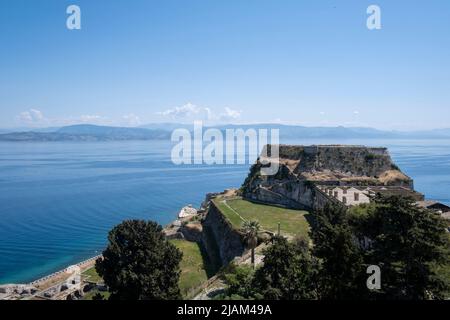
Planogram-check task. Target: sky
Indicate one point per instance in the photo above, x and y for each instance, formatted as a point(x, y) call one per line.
point(312, 63)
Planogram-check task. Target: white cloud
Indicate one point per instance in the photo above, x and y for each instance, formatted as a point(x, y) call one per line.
point(32, 117)
point(230, 114)
point(356, 112)
point(186, 111)
point(191, 112)
point(131, 120)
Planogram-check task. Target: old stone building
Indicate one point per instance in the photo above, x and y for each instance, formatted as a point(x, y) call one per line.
point(311, 176)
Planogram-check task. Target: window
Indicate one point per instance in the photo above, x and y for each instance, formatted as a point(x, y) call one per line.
point(344, 199)
point(336, 194)
point(356, 196)
point(345, 191)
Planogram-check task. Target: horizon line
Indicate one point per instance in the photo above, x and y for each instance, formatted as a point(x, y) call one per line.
point(142, 126)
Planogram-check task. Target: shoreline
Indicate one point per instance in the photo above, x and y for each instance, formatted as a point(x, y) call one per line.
point(59, 275)
point(53, 278)
point(63, 273)
point(37, 288)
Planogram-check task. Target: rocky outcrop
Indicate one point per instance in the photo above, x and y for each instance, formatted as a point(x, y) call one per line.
point(221, 241)
point(192, 231)
point(301, 168)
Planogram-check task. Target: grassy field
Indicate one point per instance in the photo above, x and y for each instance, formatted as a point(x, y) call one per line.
point(194, 266)
point(92, 275)
point(235, 220)
point(292, 222)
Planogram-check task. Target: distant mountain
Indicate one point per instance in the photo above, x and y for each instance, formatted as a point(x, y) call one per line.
point(162, 131)
point(115, 133)
point(88, 133)
point(168, 126)
point(292, 132)
point(25, 129)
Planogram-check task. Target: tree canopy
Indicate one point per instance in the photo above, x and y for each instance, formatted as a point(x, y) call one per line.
point(342, 270)
point(139, 263)
point(289, 271)
point(409, 244)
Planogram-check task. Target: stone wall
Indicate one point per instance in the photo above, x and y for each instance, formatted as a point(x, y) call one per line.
point(303, 167)
point(353, 160)
point(219, 238)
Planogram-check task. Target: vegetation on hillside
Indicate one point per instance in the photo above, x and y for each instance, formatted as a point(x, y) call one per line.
point(139, 263)
point(407, 243)
point(195, 266)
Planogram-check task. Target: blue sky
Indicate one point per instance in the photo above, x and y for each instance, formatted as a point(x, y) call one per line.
point(241, 61)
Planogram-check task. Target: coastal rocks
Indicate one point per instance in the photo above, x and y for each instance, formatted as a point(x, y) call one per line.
point(173, 233)
point(187, 226)
point(192, 231)
point(187, 211)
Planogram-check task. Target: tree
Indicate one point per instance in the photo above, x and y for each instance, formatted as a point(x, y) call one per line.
point(342, 273)
point(97, 296)
point(239, 282)
point(251, 230)
point(139, 263)
point(288, 272)
point(408, 243)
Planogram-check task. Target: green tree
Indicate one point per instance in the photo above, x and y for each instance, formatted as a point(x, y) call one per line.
point(239, 282)
point(288, 272)
point(251, 230)
point(139, 263)
point(408, 243)
point(342, 270)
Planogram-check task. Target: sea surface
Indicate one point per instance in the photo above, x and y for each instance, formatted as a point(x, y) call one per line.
point(59, 199)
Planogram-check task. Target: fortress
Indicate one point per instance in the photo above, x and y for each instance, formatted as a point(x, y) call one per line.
point(311, 176)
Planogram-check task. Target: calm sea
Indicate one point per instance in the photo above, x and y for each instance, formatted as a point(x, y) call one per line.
point(58, 200)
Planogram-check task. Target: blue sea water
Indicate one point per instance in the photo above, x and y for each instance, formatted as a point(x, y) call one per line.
point(58, 200)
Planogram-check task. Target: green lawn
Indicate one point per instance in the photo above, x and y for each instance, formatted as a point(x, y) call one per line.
point(292, 222)
point(235, 220)
point(194, 269)
point(92, 275)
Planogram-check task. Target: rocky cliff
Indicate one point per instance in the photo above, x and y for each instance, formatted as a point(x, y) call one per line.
point(301, 167)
